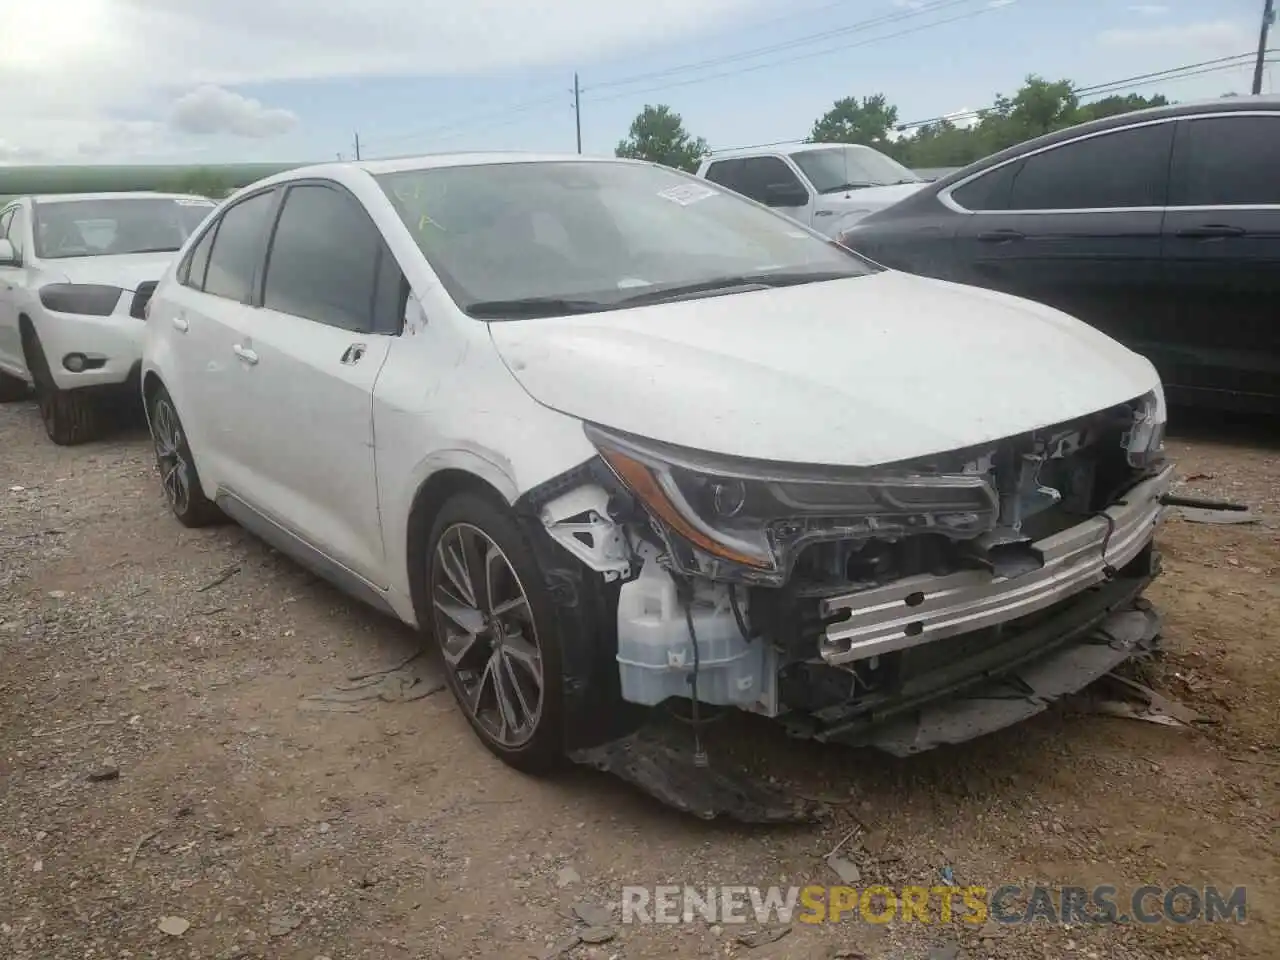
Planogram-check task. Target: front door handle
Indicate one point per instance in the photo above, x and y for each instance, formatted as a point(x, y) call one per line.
point(245, 354)
point(181, 323)
point(1001, 236)
point(1211, 231)
point(353, 353)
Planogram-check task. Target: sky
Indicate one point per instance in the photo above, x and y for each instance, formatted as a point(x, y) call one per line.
point(212, 81)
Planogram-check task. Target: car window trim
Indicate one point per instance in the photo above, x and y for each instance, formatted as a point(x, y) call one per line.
point(384, 248)
point(184, 268)
point(948, 201)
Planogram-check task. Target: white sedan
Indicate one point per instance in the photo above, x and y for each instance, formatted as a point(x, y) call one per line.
point(76, 271)
point(616, 437)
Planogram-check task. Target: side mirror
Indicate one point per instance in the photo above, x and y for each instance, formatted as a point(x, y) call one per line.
point(8, 256)
point(785, 195)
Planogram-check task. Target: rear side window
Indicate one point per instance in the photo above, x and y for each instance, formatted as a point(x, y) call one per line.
point(1229, 161)
point(1128, 168)
point(198, 261)
point(990, 191)
point(758, 174)
point(325, 260)
point(237, 248)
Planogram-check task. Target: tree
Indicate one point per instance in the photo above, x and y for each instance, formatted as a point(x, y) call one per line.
point(1115, 105)
point(850, 121)
point(658, 134)
point(203, 182)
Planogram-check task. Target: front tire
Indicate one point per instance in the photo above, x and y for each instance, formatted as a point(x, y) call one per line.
point(178, 478)
point(70, 417)
point(495, 624)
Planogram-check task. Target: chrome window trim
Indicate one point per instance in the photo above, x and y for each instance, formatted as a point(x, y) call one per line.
point(945, 198)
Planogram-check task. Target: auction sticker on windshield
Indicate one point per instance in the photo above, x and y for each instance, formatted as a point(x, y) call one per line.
point(687, 193)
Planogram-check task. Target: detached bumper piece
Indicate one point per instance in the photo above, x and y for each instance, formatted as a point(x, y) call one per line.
point(660, 763)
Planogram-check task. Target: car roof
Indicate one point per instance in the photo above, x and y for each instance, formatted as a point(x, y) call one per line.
point(429, 161)
point(787, 149)
point(120, 195)
point(1236, 104)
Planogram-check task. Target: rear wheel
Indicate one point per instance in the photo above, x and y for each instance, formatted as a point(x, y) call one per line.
point(178, 479)
point(70, 417)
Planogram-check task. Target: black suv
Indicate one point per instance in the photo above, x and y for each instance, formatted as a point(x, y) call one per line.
point(1160, 228)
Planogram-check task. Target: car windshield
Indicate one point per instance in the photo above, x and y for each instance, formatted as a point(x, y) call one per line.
point(116, 225)
point(832, 169)
point(581, 236)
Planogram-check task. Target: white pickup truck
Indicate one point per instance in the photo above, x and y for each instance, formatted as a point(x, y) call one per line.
point(826, 186)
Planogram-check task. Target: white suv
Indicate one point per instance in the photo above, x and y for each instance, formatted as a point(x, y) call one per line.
point(615, 436)
point(75, 275)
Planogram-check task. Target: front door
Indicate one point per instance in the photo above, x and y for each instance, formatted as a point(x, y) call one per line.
point(1077, 227)
point(310, 356)
point(1222, 250)
point(12, 286)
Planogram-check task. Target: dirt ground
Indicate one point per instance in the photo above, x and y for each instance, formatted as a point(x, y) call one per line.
point(156, 762)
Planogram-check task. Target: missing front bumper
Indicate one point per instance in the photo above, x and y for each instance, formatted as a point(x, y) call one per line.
point(925, 609)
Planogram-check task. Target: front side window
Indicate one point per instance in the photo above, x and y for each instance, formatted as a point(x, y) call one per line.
point(5, 219)
point(597, 235)
point(989, 191)
point(724, 172)
point(324, 259)
point(17, 233)
point(1127, 168)
point(198, 262)
point(836, 169)
point(116, 225)
point(1229, 161)
point(237, 248)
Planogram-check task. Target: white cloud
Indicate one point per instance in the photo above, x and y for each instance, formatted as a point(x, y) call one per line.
point(1148, 9)
point(210, 109)
point(1210, 38)
point(89, 63)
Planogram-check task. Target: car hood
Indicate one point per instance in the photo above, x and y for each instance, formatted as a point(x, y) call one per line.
point(126, 270)
point(869, 198)
point(851, 372)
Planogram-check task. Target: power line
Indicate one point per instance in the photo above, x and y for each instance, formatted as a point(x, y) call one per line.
point(1113, 86)
point(473, 120)
point(1098, 89)
point(806, 40)
point(806, 56)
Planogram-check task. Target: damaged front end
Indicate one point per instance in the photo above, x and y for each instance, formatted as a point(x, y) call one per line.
point(903, 606)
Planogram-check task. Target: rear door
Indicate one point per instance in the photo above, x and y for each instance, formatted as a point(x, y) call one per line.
point(211, 306)
point(332, 300)
point(1076, 226)
point(1222, 246)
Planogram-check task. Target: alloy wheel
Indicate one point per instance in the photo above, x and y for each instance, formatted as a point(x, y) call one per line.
point(485, 628)
point(175, 475)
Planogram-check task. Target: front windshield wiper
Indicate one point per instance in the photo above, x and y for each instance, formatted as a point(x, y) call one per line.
point(853, 185)
point(523, 308)
point(151, 250)
point(734, 283)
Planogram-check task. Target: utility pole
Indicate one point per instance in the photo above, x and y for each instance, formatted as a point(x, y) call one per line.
point(577, 109)
point(357, 144)
point(1268, 15)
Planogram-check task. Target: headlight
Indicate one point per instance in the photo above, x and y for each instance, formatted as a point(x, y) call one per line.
point(1144, 443)
point(747, 520)
point(90, 299)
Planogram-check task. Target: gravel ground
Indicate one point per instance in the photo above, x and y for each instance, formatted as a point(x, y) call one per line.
point(164, 793)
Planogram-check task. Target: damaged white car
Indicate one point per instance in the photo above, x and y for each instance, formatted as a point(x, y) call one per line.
point(616, 437)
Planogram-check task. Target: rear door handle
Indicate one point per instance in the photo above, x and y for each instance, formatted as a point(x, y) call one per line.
point(245, 354)
point(1211, 231)
point(353, 353)
point(181, 323)
point(1001, 236)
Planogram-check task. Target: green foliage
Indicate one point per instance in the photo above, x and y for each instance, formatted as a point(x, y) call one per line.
point(658, 135)
point(1039, 107)
point(849, 121)
point(203, 182)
